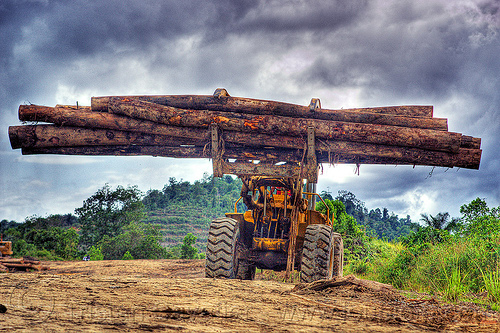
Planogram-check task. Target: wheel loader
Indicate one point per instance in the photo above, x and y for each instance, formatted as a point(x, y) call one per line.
point(5, 248)
point(264, 236)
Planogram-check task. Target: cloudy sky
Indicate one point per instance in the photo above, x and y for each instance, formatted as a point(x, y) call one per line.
point(347, 53)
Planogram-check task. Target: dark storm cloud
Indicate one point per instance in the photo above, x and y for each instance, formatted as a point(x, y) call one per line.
point(65, 29)
point(292, 16)
point(407, 48)
point(42, 39)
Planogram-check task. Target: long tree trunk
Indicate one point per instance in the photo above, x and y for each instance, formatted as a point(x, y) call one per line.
point(83, 117)
point(276, 125)
point(92, 141)
point(405, 116)
point(144, 128)
point(466, 158)
point(38, 136)
point(256, 106)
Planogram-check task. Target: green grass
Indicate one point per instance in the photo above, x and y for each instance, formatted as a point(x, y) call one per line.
point(492, 285)
point(454, 284)
point(455, 271)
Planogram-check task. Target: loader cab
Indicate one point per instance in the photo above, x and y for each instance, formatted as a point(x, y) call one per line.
point(265, 227)
point(5, 248)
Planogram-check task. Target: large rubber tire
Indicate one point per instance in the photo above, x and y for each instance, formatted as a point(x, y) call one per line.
point(223, 252)
point(317, 253)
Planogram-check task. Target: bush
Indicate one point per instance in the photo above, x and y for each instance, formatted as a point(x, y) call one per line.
point(426, 235)
point(353, 235)
point(127, 256)
point(95, 253)
point(188, 251)
point(141, 240)
point(36, 235)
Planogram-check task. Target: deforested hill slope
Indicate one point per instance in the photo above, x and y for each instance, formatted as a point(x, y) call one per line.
point(181, 207)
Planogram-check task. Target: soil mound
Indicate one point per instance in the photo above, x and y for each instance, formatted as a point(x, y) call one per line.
point(390, 305)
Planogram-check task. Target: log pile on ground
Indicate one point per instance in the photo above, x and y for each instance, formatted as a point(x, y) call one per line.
point(21, 264)
point(237, 132)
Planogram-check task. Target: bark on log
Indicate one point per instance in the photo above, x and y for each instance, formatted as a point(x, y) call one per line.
point(237, 153)
point(83, 117)
point(466, 158)
point(241, 105)
point(33, 136)
point(256, 106)
point(470, 142)
point(343, 281)
point(120, 150)
point(276, 125)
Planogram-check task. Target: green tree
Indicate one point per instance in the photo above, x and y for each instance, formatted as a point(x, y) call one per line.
point(353, 206)
point(95, 253)
point(47, 237)
point(479, 220)
point(440, 221)
point(6, 225)
point(107, 212)
point(127, 256)
point(188, 251)
point(353, 235)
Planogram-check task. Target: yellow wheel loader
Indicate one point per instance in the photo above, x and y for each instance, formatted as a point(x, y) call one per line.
point(279, 231)
point(5, 248)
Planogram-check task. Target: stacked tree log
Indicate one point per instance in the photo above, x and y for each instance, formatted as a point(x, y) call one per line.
point(246, 130)
point(21, 264)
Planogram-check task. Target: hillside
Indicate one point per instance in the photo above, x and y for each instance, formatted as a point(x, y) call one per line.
point(181, 208)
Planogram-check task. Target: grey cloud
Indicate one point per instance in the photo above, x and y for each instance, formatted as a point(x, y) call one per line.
point(414, 55)
point(292, 16)
point(440, 52)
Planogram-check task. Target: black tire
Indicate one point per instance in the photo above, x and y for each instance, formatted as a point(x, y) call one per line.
point(222, 260)
point(317, 253)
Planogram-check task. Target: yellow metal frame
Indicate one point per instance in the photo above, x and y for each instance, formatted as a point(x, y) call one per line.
point(236, 205)
point(329, 221)
point(323, 201)
point(6, 247)
point(270, 244)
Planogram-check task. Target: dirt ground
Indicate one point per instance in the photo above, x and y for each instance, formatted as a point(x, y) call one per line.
point(173, 295)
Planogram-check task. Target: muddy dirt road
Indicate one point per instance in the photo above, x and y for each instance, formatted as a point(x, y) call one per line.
point(172, 295)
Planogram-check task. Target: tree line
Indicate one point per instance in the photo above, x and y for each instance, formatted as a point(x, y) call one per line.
point(171, 223)
point(121, 222)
